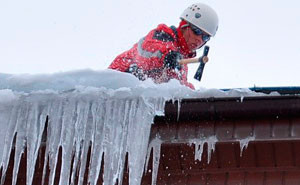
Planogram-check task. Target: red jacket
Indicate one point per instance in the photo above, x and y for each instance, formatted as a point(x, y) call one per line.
point(153, 55)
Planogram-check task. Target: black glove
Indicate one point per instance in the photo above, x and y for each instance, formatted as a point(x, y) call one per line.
point(171, 60)
point(136, 71)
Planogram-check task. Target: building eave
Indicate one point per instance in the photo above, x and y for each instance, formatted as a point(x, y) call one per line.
point(232, 108)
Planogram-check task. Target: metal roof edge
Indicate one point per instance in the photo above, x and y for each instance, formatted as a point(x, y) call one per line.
point(216, 108)
point(283, 90)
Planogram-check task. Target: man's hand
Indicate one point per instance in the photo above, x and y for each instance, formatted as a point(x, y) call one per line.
point(171, 60)
point(204, 59)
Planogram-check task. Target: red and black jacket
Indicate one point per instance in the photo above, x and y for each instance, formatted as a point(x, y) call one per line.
point(155, 56)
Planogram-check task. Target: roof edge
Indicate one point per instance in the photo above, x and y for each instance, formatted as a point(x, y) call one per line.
point(223, 108)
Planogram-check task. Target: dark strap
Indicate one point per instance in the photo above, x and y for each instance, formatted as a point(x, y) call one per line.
point(175, 31)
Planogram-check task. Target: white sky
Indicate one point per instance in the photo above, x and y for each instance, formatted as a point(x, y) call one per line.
point(257, 42)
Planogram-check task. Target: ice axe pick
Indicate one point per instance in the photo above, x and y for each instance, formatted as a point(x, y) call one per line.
point(200, 69)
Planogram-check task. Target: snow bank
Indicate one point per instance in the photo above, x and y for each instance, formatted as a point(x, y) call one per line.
point(108, 80)
point(108, 110)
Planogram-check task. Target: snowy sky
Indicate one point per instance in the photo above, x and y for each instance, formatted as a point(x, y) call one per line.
point(257, 42)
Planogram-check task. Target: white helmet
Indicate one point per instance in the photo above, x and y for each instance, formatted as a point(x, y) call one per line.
point(202, 16)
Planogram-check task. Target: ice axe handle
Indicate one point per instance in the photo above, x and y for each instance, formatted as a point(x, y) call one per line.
point(200, 69)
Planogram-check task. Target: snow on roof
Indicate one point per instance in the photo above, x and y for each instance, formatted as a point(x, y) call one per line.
point(113, 82)
point(110, 109)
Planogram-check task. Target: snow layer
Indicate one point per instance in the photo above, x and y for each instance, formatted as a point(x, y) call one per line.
point(108, 79)
point(108, 110)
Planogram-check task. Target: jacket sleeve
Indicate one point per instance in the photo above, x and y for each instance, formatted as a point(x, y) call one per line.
point(154, 48)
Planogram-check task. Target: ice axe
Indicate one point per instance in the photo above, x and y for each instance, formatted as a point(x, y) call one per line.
point(200, 69)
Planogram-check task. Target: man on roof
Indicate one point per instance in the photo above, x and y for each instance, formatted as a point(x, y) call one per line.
point(157, 55)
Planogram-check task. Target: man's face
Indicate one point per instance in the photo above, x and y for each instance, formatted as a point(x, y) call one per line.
point(194, 39)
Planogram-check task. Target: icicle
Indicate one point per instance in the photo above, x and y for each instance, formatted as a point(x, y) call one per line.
point(242, 99)
point(178, 108)
point(85, 138)
point(20, 139)
point(159, 105)
point(98, 113)
point(199, 147)
point(155, 145)
point(10, 135)
point(112, 141)
point(123, 151)
point(138, 128)
point(244, 143)
point(76, 154)
point(80, 124)
point(211, 145)
point(113, 127)
point(54, 136)
point(48, 131)
point(68, 130)
point(5, 112)
point(35, 127)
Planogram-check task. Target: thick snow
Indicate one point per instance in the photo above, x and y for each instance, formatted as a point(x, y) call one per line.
point(108, 110)
point(107, 79)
